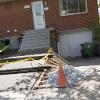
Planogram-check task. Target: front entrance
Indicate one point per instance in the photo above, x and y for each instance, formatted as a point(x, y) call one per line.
point(38, 15)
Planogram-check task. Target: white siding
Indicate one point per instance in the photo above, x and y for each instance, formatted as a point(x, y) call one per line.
point(69, 44)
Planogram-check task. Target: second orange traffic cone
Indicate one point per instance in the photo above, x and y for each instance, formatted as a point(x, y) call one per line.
point(62, 80)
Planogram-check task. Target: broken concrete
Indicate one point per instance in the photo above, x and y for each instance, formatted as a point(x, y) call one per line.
point(87, 89)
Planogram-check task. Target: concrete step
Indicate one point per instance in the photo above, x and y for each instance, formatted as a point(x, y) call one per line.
point(36, 35)
point(35, 39)
point(29, 42)
point(37, 31)
point(34, 45)
point(34, 49)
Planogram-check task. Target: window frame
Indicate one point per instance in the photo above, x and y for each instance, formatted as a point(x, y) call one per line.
point(73, 13)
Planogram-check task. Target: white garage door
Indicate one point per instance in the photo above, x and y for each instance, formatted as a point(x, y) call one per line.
point(69, 44)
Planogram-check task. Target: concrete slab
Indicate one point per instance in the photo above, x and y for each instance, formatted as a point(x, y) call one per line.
point(23, 64)
point(17, 82)
point(15, 56)
point(88, 89)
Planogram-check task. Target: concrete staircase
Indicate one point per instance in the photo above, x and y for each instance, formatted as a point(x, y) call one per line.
point(35, 40)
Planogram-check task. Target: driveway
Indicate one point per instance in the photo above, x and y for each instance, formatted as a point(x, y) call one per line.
point(87, 89)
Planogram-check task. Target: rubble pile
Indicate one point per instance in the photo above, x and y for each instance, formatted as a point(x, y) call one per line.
point(72, 74)
point(51, 70)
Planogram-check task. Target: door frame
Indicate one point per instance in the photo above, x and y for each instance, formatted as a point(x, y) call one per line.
point(34, 16)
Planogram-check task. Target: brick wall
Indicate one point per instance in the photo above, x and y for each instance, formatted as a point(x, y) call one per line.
point(53, 17)
point(14, 16)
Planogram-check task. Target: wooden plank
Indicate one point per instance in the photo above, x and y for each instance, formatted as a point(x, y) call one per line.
point(24, 70)
point(43, 86)
point(39, 80)
point(19, 57)
point(61, 58)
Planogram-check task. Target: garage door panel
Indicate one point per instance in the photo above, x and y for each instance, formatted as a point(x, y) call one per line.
point(76, 39)
point(64, 45)
point(70, 43)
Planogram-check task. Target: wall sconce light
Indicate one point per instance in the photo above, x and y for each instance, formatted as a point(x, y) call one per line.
point(15, 30)
point(8, 31)
point(27, 6)
point(45, 4)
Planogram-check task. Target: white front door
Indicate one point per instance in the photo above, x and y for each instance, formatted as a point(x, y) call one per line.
point(38, 15)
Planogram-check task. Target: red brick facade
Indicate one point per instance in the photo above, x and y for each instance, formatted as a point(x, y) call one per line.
point(14, 16)
point(71, 21)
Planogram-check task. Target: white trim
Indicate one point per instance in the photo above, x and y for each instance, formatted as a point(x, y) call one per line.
point(75, 30)
point(32, 4)
point(74, 13)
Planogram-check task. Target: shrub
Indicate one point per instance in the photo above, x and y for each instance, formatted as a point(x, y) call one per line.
point(1, 46)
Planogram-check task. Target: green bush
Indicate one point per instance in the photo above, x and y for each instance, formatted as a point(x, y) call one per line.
point(1, 46)
point(96, 31)
point(99, 5)
point(1, 35)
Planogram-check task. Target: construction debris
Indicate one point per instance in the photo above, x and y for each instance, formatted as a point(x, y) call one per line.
point(63, 74)
point(24, 70)
point(72, 75)
point(53, 71)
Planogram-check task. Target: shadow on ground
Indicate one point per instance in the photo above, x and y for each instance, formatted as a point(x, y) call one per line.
point(85, 61)
point(87, 89)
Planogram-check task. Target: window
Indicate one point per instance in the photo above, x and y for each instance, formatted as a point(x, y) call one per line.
point(68, 7)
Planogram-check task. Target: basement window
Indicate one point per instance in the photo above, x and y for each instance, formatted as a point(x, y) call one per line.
point(70, 7)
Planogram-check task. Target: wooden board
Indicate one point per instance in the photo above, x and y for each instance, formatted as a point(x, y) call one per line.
point(24, 70)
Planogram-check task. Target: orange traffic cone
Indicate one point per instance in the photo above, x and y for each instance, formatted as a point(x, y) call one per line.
point(62, 80)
